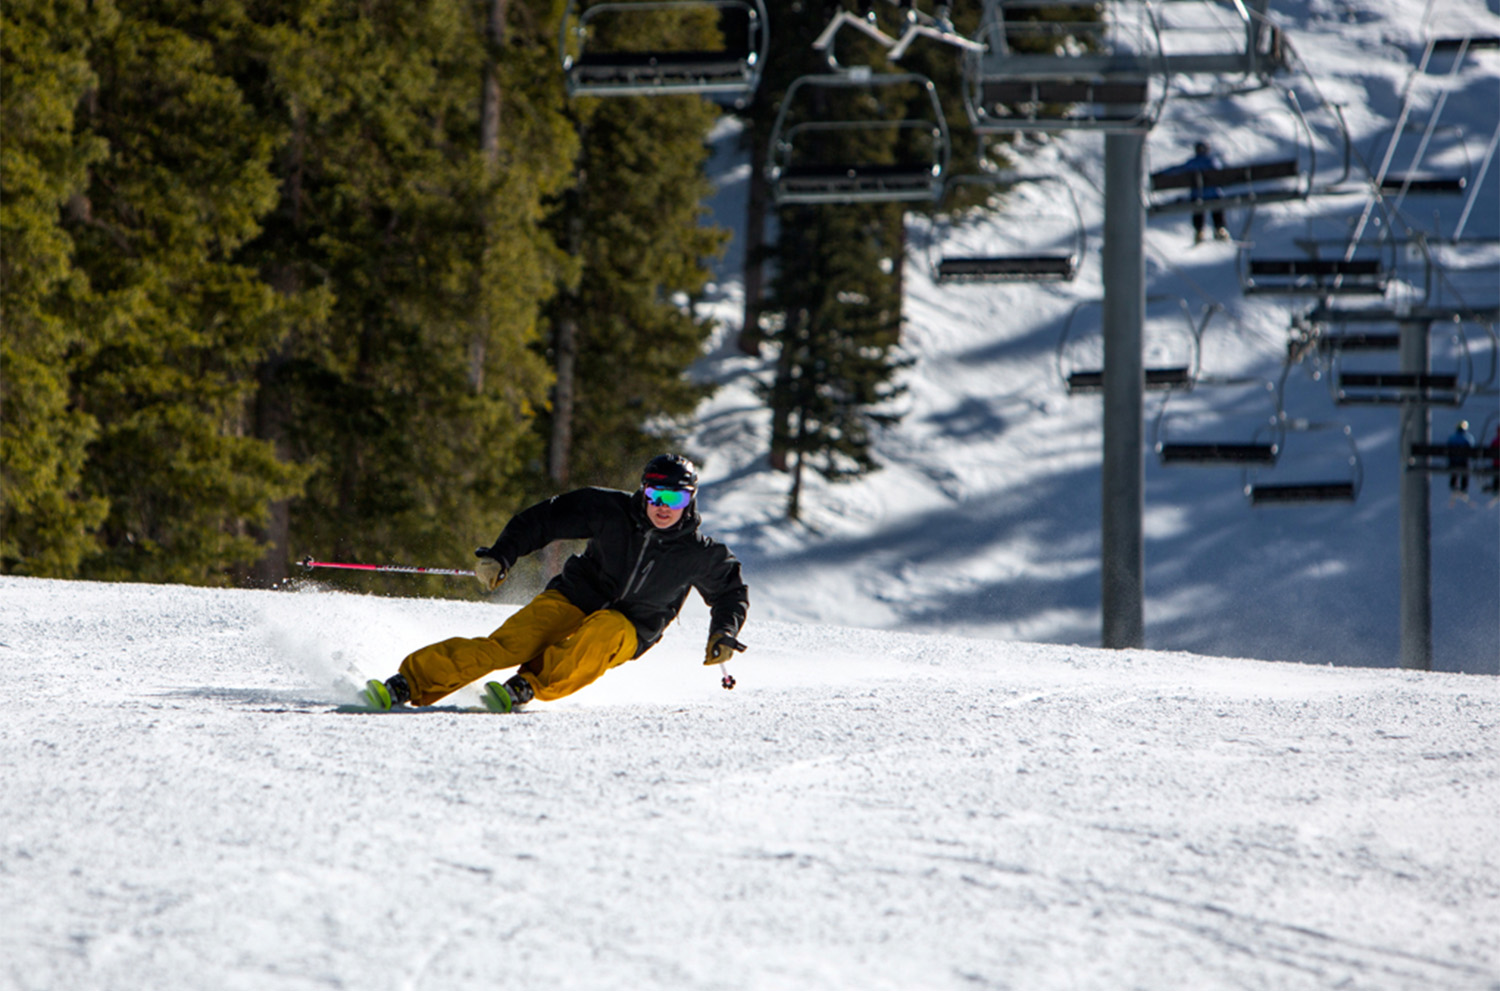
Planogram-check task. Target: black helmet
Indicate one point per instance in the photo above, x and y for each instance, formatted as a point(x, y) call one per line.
point(1201, 148)
point(670, 471)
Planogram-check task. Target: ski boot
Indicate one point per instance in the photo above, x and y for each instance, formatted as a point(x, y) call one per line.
point(505, 698)
point(382, 695)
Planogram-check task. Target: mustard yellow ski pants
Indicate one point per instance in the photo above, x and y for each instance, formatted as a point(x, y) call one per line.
point(558, 647)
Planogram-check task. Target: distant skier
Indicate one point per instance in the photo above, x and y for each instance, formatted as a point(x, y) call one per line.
point(609, 605)
point(1458, 462)
point(1204, 160)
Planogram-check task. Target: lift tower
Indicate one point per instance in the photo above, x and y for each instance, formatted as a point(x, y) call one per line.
point(1107, 71)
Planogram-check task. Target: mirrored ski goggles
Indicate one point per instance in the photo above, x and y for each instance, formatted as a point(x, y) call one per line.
point(671, 498)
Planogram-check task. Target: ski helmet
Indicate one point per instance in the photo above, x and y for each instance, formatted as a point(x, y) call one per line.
point(670, 471)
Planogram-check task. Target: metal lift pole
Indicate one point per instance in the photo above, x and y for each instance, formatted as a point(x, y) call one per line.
point(1123, 483)
point(1416, 515)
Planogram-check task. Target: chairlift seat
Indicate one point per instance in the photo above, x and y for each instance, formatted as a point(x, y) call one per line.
point(1395, 388)
point(1360, 341)
point(1008, 268)
point(1451, 185)
point(700, 71)
point(1398, 380)
point(1439, 457)
point(1318, 276)
point(1108, 92)
point(1301, 492)
point(1217, 453)
point(1157, 379)
point(1474, 41)
point(862, 182)
point(1237, 175)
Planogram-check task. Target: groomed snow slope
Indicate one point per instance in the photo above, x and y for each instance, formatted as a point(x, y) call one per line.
point(867, 810)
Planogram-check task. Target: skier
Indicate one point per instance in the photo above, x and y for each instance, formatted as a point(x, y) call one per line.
point(1204, 160)
point(609, 605)
point(1458, 462)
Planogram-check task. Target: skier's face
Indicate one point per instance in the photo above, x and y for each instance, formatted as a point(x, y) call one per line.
point(663, 517)
point(664, 506)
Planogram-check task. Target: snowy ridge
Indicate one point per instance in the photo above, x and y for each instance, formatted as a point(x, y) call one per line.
point(867, 810)
point(985, 519)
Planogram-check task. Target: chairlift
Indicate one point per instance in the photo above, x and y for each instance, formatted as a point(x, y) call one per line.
point(1284, 168)
point(1374, 382)
point(1052, 73)
point(1436, 164)
point(1440, 458)
point(1170, 347)
point(809, 161)
point(1482, 459)
point(592, 67)
point(1221, 41)
point(1312, 276)
point(991, 247)
point(1218, 437)
point(1309, 469)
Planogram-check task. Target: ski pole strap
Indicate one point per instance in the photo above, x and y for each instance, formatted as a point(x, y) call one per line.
point(404, 569)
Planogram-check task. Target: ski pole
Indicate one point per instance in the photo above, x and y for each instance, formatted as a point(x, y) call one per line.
point(405, 569)
point(734, 645)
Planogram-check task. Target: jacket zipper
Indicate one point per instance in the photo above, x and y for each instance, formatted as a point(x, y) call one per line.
point(629, 582)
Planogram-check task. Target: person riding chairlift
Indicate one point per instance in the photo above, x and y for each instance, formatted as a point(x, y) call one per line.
point(1204, 160)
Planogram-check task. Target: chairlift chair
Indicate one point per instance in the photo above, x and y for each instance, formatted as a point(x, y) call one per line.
point(1309, 276)
point(1060, 226)
point(1373, 382)
point(1285, 171)
point(1439, 459)
point(800, 168)
point(1057, 74)
point(1170, 347)
point(1180, 439)
point(592, 68)
point(1309, 469)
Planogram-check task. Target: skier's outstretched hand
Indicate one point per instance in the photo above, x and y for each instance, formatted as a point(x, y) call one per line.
point(721, 647)
point(490, 569)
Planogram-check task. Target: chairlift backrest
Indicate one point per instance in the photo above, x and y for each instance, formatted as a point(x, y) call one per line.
point(1064, 67)
point(594, 68)
point(810, 161)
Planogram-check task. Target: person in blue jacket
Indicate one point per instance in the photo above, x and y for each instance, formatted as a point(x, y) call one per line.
point(1458, 462)
point(1204, 160)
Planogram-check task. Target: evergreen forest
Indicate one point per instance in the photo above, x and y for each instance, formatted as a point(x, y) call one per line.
point(359, 280)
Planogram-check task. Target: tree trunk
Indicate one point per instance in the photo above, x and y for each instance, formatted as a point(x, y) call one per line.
point(754, 252)
point(489, 149)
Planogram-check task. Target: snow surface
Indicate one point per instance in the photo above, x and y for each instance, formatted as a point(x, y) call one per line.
point(986, 517)
point(928, 777)
point(184, 809)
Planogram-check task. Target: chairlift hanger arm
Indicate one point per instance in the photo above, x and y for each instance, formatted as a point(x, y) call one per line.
point(918, 24)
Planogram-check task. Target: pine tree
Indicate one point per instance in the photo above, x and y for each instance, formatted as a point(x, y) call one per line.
point(171, 327)
point(413, 392)
point(623, 330)
point(834, 305)
point(45, 518)
point(837, 336)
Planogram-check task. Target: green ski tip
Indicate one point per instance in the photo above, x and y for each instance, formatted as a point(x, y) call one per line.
point(377, 696)
point(496, 698)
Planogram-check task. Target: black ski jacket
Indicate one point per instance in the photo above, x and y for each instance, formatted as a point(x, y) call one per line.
point(628, 564)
